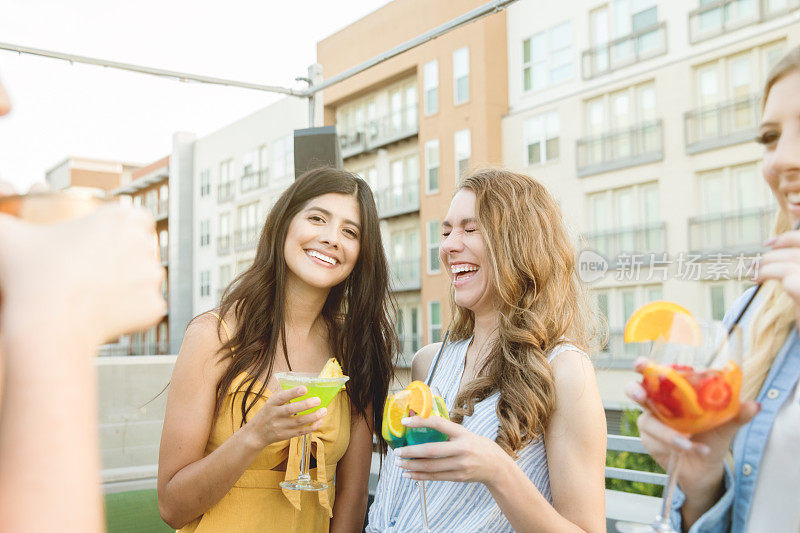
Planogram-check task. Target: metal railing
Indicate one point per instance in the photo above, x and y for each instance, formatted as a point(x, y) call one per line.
point(257, 179)
point(617, 354)
point(723, 16)
point(164, 253)
point(373, 134)
point(641, 239)
point(642, 44)
point(225, 191)
point(627, 147)
point(405, 274)
point(739, 232)
point(723, 124)
point(163, 209)
point(224, 244)
point(398, 200)
point(246, 238)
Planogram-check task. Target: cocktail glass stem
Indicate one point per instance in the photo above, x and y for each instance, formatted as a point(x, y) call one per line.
point(423, 505)
point(304, 475)
point(662, 524)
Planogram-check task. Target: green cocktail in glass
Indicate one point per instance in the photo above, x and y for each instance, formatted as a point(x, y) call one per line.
point(326, 390)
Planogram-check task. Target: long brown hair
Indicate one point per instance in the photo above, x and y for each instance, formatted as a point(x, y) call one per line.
point(356, 312)
point(541, 303)
point(775, 318)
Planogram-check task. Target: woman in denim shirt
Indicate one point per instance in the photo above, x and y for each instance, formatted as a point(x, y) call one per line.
point(762, 490)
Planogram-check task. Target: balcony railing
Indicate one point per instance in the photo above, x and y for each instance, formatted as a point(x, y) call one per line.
point(617, 354)
point(223, 244)
point(723, 16)
point(246, 238)
point(642, 44)
point(623, 148)
point(373, 134)
point(256, 179)
point(225, 191)
point(163, 209)
point(731, 233)
point(398, 200)
point(723, 124)
point(643, 239)
point(406, 274)
point(409, 344)
point(164, 251)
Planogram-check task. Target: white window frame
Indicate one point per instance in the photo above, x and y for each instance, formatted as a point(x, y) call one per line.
point(430, 320)
point(432, 144)
point(436, 226)
point(547, 58)
point(457, 74)
point(431, 87)
point(205, 183)
point(456, 154)
point(205, 283)
point(205, 233)
point(544, 135)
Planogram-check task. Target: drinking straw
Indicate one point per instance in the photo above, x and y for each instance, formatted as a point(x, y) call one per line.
point(436, 361)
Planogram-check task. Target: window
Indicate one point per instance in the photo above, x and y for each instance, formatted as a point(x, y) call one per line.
point(163, 198)
point(432, 166)
point(137, 201)
point(205, 183)
point(716, 295)
point(205, 232)
point(224, 278)
point(224, 231)
point(460, 76)
point(463, 151)
point(434, 241)
point(163, 244)
point(248, 223)
point(626, 220)
point(205, 283)
point(541, 138)
point(435, 321)
point(283, 157)
point(431, 86)
point(547, 58)
point(404, 258)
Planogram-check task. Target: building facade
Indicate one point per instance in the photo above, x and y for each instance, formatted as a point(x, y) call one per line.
point(639, 115)
point(238, 173)
point(412, 127)
point(93, 173)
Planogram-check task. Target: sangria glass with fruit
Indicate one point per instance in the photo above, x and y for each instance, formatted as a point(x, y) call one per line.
point(692, 379)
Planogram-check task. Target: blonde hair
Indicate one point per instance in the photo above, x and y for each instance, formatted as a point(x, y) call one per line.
point(776, 317)
point(542, 304)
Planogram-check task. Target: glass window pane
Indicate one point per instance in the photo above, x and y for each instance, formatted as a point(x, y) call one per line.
point(561, 36)
point(628, 305)
point(431, 74)
point(551, 148)
point(461, 62)
point(539, 47)
point(645, 19)
point(654, 294)
point(534, 153)
point(717, 293)
point(526, 51)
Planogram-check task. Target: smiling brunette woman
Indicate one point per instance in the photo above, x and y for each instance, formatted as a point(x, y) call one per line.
point(527, 443)
point(318, 288)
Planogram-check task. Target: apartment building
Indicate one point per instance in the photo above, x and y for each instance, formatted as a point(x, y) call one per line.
point(238, 173)
point(86, 172)
point(412, 126)
point(149, 188)
point(639, 116)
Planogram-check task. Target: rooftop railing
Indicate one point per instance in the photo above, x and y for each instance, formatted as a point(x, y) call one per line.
point(627, 147)
point(724, 124)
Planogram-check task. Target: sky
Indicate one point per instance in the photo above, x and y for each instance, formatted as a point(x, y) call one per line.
point(60, 110)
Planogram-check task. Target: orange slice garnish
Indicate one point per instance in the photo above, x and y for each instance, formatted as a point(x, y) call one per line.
point(420, 399)
point(662, 320)
point(396, 410)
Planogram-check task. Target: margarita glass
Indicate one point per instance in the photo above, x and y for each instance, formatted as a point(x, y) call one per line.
point(324, 388)
point(692, 381)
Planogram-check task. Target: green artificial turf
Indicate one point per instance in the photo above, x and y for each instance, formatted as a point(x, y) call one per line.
point(134, 512)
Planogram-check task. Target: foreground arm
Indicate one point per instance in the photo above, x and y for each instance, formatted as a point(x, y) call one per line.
point(106, 281)
point(190, 483)
point(352, 478)
point(575, 443)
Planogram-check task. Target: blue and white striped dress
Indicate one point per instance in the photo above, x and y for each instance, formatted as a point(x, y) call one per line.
point(461, 507)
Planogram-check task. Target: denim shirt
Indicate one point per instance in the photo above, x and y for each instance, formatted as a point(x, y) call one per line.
point(732, 510)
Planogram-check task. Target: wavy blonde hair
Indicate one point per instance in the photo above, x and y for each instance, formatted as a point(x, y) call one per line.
point(541, 304)
point(776, 317)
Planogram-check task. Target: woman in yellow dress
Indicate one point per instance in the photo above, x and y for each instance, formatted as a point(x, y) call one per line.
point(318, 288)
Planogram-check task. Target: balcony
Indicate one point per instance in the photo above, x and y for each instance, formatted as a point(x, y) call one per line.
point(742, 232)
point(398, 200)
point(164, 254)
point(245, 239)
point(643, 239)
point(723, 16)
point(162, 211)
point(409, 345)
point(374, 134)
point(405, 275)
point(638, 145)
point(617, 354)
point(642, 44)
point(225, 192)
point(257, 179)
point(224, 245)
point(724, 124)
